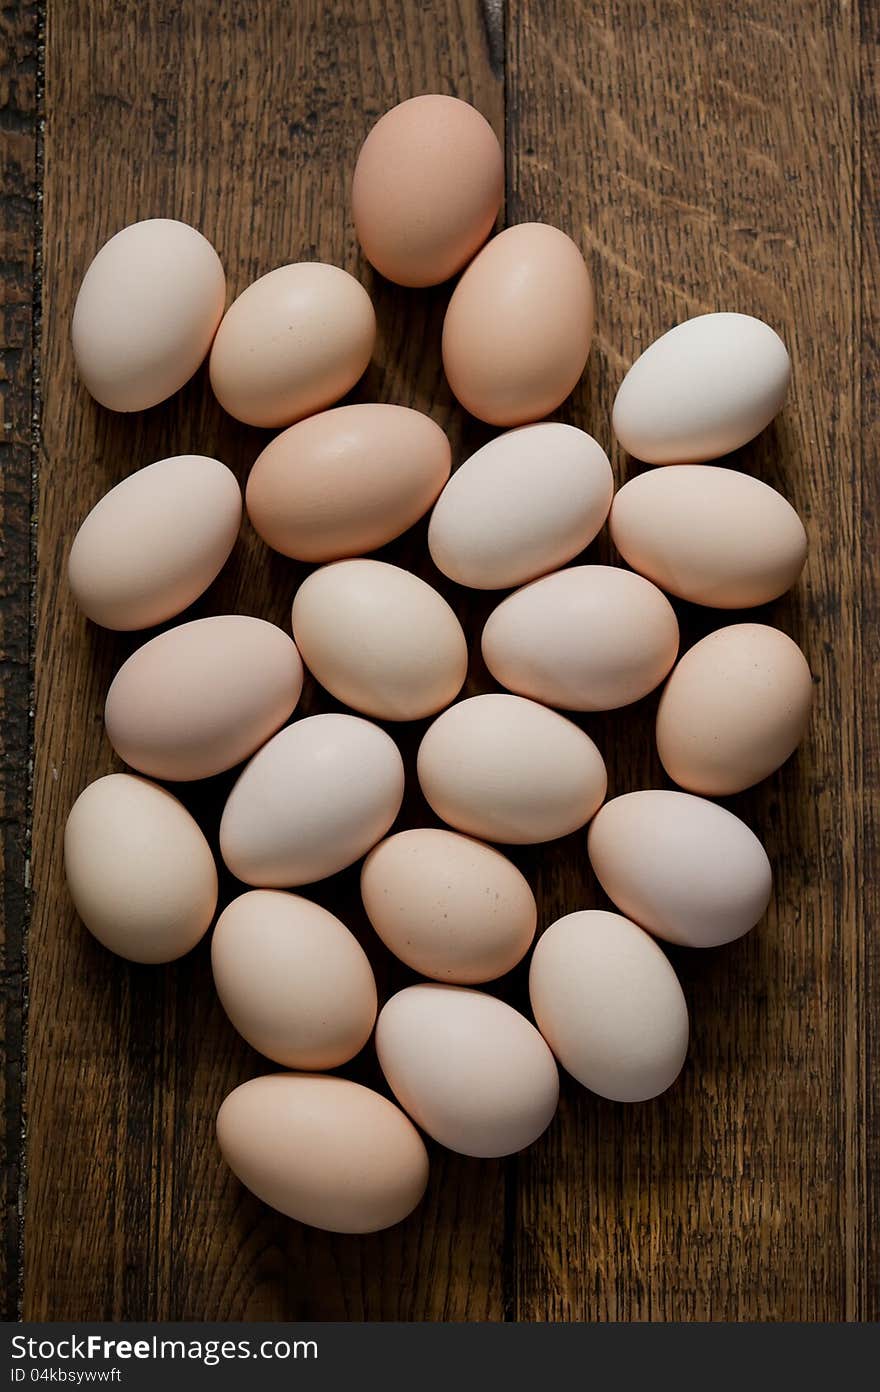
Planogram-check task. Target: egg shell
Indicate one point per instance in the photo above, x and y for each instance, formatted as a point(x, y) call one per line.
point(589, 638)
point(610, 1006)
point(380, 639)
point(347, 481)
point(709, 535)
point(294, 341)
point(507, 769)
point(449, 907)
point(140, 873)
point(471, 1071)
point(201, 697)
point(146, 313)
point(155, 542)
point(325, 1151)
point(525, 503)
point(519, 326)
point(293, 980)
point(681, 867)
point(427, 187)
point(703, 389)
point(734, 709)
point(312, 801)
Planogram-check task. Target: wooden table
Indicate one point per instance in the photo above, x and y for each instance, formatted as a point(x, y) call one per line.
point(705, 156)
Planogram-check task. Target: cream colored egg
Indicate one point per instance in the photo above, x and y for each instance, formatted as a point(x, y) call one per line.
point(704, 388)
point(450, 907)
point(347, 481)
point(380, 639)
point(525, 503)
point(470, 1071)
point(201, 697)
point(710, 535)
point(428, 184)
point(155, 542)
point(507, 769)
point(325, 1151)
point(293, 980)
point(519, 326)
point(140, 872)
point(312, 801)
point(146, 313)
point(734, 709)
point(588, 638)
point(684, 868)
point(609, 1005)
point(294, 341)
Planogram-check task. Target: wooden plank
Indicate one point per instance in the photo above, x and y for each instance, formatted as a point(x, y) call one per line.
point(18, 399)
point(866, 783)
point(705, 158)
point(248, 128)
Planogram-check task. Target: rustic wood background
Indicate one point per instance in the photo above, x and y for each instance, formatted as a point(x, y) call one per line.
point(705, 156)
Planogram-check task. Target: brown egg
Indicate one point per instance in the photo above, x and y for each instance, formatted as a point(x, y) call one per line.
point(293, 980)
point(586, 638)
point(450, 907)
point(346, 481)
point(201, 697)
point(325, 1151)
point(734, 709)
point(503, 768)
point(713, 536)
point(519, 325)
point(155, 542)
point(380, 639)
point(294, 341)
point(427, 188)
point(140, 872)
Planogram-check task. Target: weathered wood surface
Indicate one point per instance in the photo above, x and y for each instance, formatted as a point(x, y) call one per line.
point(705, 156)
point(19, 308)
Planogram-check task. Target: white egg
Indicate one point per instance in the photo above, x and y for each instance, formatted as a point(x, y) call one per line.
point(706, 387)
point(524, 504)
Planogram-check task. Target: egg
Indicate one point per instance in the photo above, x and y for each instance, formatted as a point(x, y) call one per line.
point(448, 906)
point(684, 868)
point(610, 1006)
point(734, 709)
point(140, 873)
point(312, 801)
point(294, 341)
point(471, 1071)
point(146, 313)
point(201, 697)
point(325, 1151)
point(293, 980)
point(507, 769)
point(524, 504)
point(589, 638)
point(519, 326)
point(427, 187)
point(380, 639)
point(709, 535)
point(155, 542)
point(703, 389)
point(347, 481)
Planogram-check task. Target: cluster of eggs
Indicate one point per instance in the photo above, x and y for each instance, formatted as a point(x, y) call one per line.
point(318, 794)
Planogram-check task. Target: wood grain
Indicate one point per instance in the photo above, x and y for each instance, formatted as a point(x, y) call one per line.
point(249, 130)
point(705, 156)
point(18, 306)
